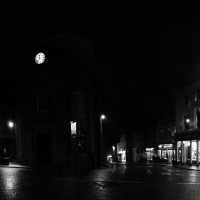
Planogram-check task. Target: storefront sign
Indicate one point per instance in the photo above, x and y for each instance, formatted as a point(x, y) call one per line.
point(149, 149)
point(165, 146)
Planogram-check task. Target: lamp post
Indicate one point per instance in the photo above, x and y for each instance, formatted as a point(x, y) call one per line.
point(102, 159)
point(10, 125)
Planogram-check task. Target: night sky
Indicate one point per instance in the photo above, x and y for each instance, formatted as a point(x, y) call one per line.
point(143, 52)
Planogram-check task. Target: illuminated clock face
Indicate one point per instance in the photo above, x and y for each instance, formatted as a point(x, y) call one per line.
point(40, 58)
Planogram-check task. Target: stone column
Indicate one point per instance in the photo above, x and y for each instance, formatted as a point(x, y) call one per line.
point(197, 153)
point(191, 152)
point(177, 152)
point(182, 152)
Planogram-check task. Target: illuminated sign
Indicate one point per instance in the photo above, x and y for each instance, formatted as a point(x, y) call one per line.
point(165, 146)
point(149, 149)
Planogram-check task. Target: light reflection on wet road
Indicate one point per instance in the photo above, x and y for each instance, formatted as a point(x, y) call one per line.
point(117, 182)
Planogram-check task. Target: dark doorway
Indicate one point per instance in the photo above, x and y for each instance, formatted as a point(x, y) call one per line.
point(43, 148)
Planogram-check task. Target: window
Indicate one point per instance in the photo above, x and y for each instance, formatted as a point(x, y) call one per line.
point(43, 102)
point(186, 99)
point(198, 94)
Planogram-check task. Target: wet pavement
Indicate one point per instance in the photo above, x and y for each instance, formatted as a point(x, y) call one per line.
point(189, 167)
point(119, 181)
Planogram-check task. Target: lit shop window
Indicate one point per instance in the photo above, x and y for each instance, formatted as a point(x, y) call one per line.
point(194, 150)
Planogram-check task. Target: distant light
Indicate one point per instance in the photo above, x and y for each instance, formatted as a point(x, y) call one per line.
point(103, 116)
point(187, 120)
point(10, 124)
point(113, 147)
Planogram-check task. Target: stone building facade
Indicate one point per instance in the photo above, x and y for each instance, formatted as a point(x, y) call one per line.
point(188, 124)
point(165, 135)
point(50, 96)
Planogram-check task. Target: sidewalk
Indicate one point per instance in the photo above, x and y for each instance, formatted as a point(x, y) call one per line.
point(48, 168)
point(16, 165)
point(184, 166)
point(187, 167)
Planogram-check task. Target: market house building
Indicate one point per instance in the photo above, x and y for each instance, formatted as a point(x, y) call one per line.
point(54, 91)
point(188, 124)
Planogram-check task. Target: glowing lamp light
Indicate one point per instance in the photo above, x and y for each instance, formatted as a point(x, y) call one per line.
point(103, 116)
point(10, 124)
point(187, 120)
point(113, 147)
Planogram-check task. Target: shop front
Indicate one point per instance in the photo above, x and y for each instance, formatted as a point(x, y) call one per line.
point(149, 153)
point(166, 152)
point(188, 148)
point(188, 151)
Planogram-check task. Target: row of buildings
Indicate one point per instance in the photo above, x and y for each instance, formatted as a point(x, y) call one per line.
point(52, 113)
point(177, 136)
point(53, 106)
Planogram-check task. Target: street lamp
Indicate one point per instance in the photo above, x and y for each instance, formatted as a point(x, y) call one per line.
point(10, 124)
point(102, 117)
point(187, 120)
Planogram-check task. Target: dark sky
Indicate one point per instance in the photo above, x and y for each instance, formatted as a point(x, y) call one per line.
point(143, 52)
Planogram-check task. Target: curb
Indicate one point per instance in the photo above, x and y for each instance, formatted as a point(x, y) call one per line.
point(180, 167)
point(10, 166)
point(186, 168)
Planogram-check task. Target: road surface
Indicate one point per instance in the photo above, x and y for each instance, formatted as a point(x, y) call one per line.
point(120, 181)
